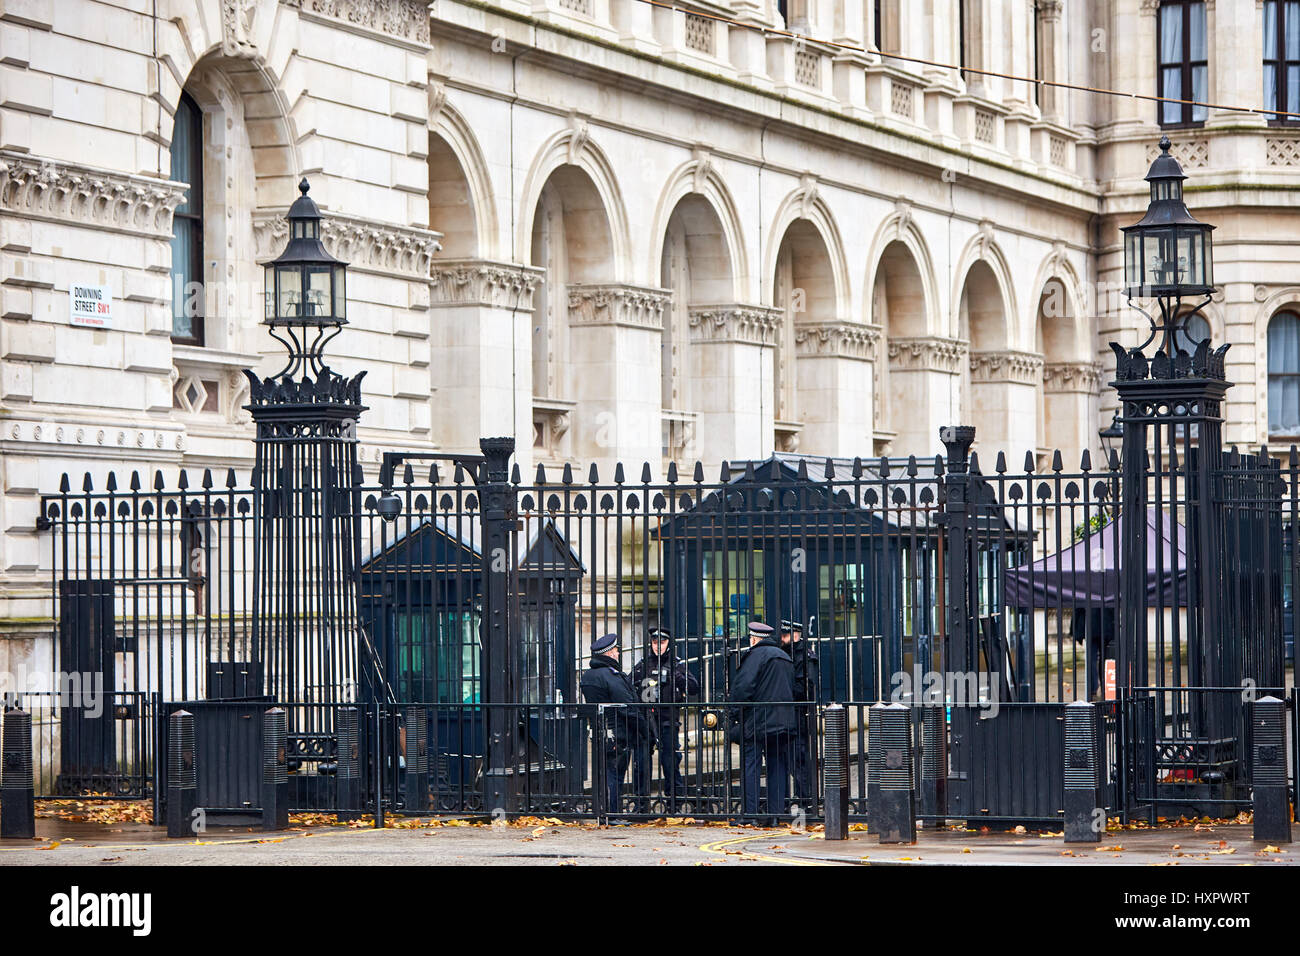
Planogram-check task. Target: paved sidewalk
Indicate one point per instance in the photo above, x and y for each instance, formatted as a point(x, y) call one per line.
point(541, 843)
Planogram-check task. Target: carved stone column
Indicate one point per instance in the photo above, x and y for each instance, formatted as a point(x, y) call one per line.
point(1004, 403)
point(836, 382)
point(481, 317)
point(614, 372)
point(924, 391)
point(732, 353)
point(1071, 396)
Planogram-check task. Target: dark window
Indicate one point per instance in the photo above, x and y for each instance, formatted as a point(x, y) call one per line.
point(878, 23)
point(1282, 59)
point(1182, 73)
point(187, 225)
point(1038, 62)
point(1284, 374)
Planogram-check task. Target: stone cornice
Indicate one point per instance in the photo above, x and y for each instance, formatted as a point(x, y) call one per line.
point(928, 353)
point(483, 282)
point(1082, 377)
point(404, 19)
point(837, 339)
point(1007, 365)
point(734, 324)
point(618, 303)
point(365, 244)
point(44, 189)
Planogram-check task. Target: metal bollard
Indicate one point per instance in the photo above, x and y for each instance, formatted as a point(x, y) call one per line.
point(347, 773)
point(417, 759)
point(17, 788)
point(891, 806)
point(182, 775)
point(1084, 820)
point(275, 770)
point(1268, 770)
point(933, 763)
point(835, 771)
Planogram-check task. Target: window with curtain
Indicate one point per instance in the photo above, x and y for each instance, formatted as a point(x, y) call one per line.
point(1282, 59)
point(1183, 70)
point(187, 224)
point(1284, 374)
point(1194, 330)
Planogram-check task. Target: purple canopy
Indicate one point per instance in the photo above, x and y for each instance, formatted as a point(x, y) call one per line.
point(1087, 575)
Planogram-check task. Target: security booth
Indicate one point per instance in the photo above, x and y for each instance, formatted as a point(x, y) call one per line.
point(855, 556)
point(421, 609)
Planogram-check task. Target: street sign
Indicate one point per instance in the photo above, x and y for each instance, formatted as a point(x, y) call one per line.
point(91, 305)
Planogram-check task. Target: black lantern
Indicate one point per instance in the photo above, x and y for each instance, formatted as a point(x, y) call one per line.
point(306, 287)
point(1110, 435)
point(1167, 254)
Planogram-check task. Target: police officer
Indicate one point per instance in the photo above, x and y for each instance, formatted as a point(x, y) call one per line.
point(807, 677)
point(628, 727)
point(660, 678)
point(765, 679)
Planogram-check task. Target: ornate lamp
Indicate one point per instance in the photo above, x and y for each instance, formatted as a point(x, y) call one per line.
point(306, 289)
point(1167, 255)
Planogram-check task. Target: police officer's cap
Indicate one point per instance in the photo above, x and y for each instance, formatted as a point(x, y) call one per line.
point(759, 629)
point(660, 634)
point(788, 626)
point(603, 643)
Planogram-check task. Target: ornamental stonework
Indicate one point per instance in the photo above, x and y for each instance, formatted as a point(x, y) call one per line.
point(61, 192)
point(638, 307)
point(1019, 368)
point(734, 324)
point(484, 283)
point(837, 339)
point(366, 245)
point(927, 353)
point(1084, 377)
point(404, 19)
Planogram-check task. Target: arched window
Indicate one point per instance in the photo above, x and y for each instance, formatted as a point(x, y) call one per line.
point(187, 225)
point(1284, 374)
point(1194, 330)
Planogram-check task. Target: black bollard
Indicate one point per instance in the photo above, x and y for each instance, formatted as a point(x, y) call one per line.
point(1084, 820)
point(17, 788)
point(891, 804)
point(1268, 770)
point(275, 770)
point(417, 759)
point(182, 778)
point(934, 763)
point(347, 774)
point(835, 772)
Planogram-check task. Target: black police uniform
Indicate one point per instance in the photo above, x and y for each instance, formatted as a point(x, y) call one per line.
point(605, 683)
point(765, 676)
point(807, 682)
point(665, 679)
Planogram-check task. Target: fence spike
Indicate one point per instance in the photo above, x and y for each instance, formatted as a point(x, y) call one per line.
point(515, 476)
point(803, 469)
point(1056, 461)
point(408, 474)
point(1295, 458)
point(938, 466)
point(974, 468)
point(672, 473)
point(1030, 464)
point(775, 474)
point(884, 466)
point(433, 473)
point(86, 483)
point(749, 471)
point(458, 476)
point(1085, 461)
point(911, 466)
point(541, 474)
point(828, 472)
point(230, 478)
point(206, 481)
point(1114, 459)
point(358, 474)
point(135, 480)
point(111, 483)
point(619, 477)
point(1000, 466)
point(724, 472)
point(64, 485)
point(593, 476)
point(857, 467)
point(158, 483)
point(567, 476)
point(645, 473)
point(183, 481)
point(698, 473)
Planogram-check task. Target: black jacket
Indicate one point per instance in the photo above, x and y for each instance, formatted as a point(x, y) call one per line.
point(664, 679)
point(766, 673)
point(807, 671)
point(604, 683)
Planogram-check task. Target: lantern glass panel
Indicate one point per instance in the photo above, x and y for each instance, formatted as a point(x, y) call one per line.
point(318, 298)
point(269, 298)
point(289, 280)
point(1132, 260)
point(340, 292)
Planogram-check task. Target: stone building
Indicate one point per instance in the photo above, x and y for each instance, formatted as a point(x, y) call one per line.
point(621, 231)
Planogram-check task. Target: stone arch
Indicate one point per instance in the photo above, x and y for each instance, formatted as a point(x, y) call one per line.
point(461, 203)
point(898, 227)
point(983, 253)
point(700, 179)
point(1286, 299)
point(806, 203)
point(574, 149)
